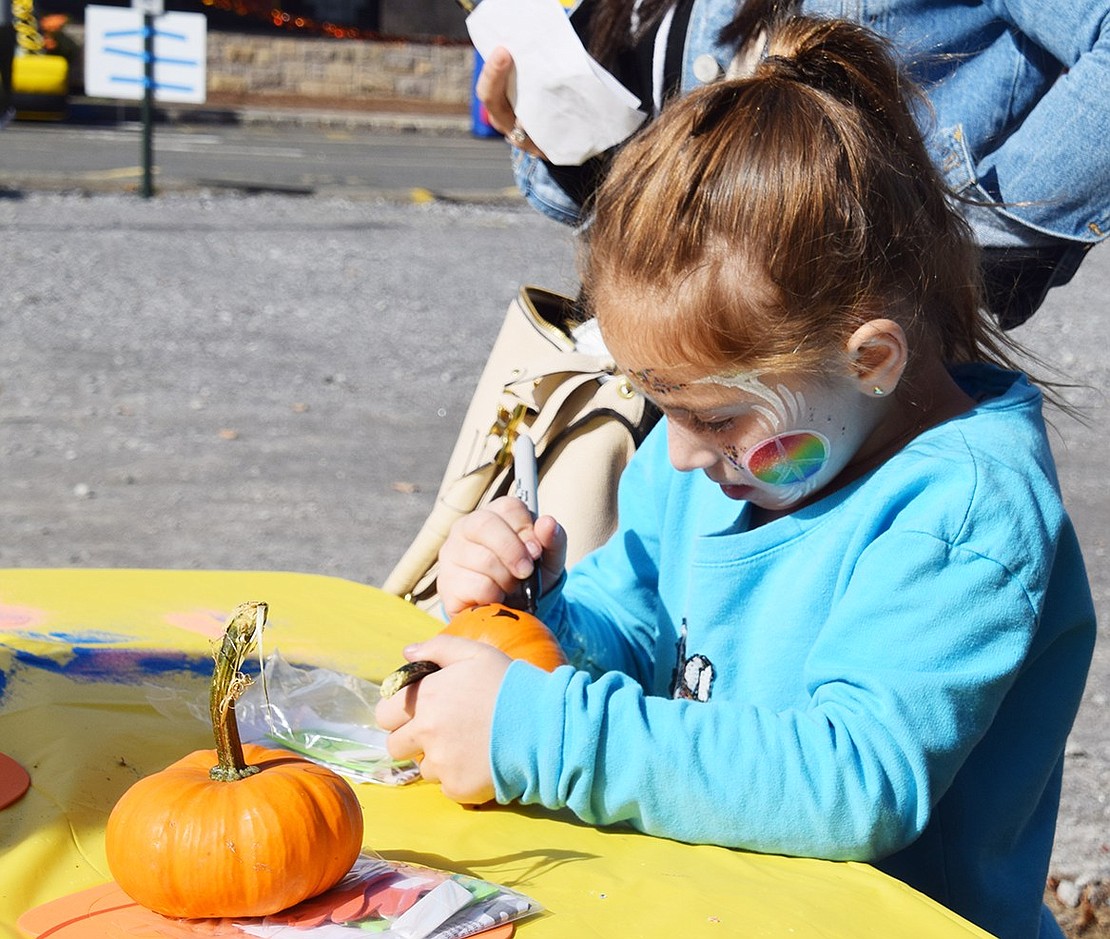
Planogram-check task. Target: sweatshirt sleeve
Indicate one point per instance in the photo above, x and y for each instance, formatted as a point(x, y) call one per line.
point(902, 684)
point(922, 638)
point(604, 611)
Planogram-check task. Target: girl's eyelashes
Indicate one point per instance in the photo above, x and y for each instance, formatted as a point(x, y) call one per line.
point(703, 425)
point(714, 427)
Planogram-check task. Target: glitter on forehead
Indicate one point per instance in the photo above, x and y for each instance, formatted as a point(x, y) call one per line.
point(744, 381)
point(649, 379)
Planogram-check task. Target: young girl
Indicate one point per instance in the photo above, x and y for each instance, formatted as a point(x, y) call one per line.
point(845, 614)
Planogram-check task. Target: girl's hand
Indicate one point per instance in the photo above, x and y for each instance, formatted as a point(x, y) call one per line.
point(492, 89)
point(491, 550)
point(443, 722)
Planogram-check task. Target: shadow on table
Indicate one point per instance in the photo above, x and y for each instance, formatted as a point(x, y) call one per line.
point(520, 868)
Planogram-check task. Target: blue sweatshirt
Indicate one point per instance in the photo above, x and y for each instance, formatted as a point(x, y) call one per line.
point(887, 675)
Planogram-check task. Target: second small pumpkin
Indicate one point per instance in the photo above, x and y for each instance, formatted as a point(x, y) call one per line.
point(518, 634)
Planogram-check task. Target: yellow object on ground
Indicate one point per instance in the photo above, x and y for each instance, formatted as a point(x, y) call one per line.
point(40, 87)
point(40, 75)
point(40, 81)
point(86, 655)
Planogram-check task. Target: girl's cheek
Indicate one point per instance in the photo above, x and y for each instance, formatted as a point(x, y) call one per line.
point(785, 459)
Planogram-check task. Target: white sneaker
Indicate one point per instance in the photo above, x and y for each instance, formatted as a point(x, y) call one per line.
point(7, 117)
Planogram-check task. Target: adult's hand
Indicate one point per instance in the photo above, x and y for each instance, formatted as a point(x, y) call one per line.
point(492, 89)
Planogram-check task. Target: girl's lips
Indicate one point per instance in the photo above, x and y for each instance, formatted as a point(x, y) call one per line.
point(739, 493)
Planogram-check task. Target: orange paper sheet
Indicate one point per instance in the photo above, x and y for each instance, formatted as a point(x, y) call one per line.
point(106, 912)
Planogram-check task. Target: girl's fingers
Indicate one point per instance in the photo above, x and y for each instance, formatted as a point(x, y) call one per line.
point(553, 538)
point(484, 556)
point(490, 551)
point(451, 710)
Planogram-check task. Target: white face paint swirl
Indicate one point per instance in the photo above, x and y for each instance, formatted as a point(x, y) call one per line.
point(783, 406)
point(793, 477)
point(777, 445)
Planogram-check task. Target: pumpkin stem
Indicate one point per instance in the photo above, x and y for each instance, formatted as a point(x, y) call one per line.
point(228, 683)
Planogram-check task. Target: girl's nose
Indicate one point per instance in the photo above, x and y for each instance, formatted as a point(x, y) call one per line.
point(688, 451)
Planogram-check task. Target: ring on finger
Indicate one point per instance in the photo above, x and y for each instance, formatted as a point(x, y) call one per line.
point(517, 137)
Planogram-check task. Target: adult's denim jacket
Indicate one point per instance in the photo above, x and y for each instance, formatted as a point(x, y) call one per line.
point(1020, 93)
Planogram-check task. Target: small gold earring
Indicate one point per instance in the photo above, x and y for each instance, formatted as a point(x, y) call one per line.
point(878, 391)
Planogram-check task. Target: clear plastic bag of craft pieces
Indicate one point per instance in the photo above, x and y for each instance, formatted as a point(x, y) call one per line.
point(394, 900)
point(322, 715)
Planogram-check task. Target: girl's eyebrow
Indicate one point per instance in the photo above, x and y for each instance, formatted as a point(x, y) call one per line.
point(656, 388)
point(706, 415)
point(652, 381)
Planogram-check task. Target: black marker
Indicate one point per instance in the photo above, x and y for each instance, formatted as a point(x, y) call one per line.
point(526, 489)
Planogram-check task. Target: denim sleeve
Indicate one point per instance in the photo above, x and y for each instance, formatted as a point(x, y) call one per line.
point(535, 182)
point(1054, 169)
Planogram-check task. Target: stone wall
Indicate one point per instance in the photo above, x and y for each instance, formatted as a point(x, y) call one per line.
point(336, 68)
point(258, 66)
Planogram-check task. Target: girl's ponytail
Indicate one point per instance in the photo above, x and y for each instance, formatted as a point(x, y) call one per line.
point(854, 65)
point(791, 206)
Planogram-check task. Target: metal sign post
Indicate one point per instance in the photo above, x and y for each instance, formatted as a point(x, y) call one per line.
point(148, 105)
point(143, 53)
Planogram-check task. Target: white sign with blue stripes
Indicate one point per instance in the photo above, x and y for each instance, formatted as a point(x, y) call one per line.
point(115, 55)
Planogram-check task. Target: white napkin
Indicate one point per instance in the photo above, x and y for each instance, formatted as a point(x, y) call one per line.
point(568, 104)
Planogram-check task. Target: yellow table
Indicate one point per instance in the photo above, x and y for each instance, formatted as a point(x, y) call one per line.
point(79, 648)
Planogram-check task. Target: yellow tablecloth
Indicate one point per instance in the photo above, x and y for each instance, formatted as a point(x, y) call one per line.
point(80, 650)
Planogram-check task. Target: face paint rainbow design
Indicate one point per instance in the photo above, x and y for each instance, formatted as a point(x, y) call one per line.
point(787, 459)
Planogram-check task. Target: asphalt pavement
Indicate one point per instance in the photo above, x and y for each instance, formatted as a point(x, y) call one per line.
point(216, 378)
point(363, 152)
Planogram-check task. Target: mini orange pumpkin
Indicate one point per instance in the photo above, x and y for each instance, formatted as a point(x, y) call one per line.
point(258, 832)
point(518, 634)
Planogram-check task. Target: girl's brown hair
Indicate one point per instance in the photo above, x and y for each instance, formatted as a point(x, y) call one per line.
point(758, 222)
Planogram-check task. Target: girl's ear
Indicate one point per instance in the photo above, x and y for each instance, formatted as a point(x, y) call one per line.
point(878, 353)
